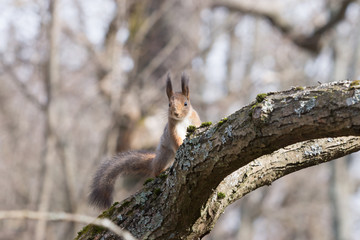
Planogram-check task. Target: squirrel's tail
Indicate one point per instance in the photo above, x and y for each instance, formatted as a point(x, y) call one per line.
point(132, 163)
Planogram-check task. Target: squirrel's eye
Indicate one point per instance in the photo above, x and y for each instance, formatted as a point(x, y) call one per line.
point(185, 104)
point(169, 104)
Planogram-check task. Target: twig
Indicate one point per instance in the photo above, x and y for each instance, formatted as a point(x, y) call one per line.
point(22, 86)
point(160, 57)
point(151, 20)
point(62, 216)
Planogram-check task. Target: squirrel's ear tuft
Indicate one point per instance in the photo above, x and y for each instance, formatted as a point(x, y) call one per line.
point(169, 90)
point(185, 85)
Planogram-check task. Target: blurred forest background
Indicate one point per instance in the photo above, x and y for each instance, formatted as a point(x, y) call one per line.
point(83, 79)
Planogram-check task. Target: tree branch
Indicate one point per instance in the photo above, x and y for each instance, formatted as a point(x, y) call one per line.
point(22, 87)
point(160, 57)
point(62, 216)
point(150, 21)
point(168, 207)
point(265, 170)
point(312, 41)
point(309, 42)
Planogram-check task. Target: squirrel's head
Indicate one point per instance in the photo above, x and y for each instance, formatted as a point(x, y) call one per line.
point(179, 102)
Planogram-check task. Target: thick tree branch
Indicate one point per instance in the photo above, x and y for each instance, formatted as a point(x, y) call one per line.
point(265, 170)
point(168, 207)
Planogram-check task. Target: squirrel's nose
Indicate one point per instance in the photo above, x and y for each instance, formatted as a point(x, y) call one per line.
point(176, 114)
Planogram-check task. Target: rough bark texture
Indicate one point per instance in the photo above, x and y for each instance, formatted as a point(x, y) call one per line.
point(265, 170)
point(185, 202)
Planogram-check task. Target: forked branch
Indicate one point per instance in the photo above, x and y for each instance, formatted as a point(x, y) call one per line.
point(174, 205)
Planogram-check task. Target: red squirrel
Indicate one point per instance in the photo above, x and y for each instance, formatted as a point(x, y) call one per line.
point(143, 163)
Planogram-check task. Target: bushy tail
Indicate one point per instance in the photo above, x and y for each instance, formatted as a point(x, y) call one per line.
point(127, 163)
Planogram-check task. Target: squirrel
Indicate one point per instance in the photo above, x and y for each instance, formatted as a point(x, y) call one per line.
point(143, 163)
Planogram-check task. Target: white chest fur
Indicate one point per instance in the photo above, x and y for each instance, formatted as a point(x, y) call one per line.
point(181, 127)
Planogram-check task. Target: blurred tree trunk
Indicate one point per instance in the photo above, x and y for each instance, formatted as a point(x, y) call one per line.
point(50, 80)
point(340, 185)
point(144, 47)
point(156, 46)
point(340, 198)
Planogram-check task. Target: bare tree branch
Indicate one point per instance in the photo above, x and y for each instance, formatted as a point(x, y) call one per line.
point(160, 57)
point(81, 39)
point(62, 216)
point(151, 20)
point(22, 86)
point(312, 41)
point(309, 42)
